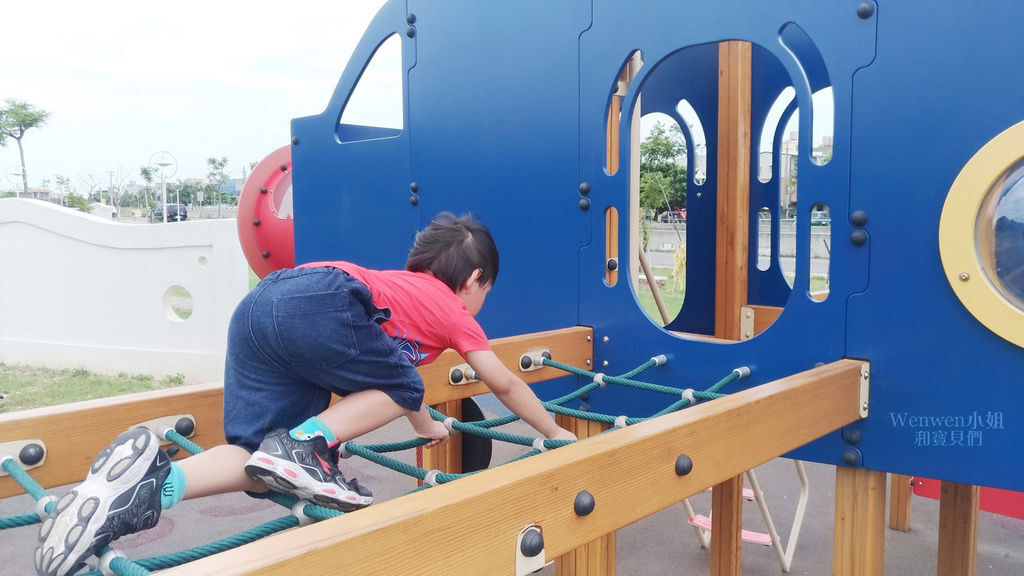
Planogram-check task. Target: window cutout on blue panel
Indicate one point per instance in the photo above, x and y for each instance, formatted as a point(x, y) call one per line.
point(375, 109)
point(700, 143)
point(766, 147)
point(821, 252)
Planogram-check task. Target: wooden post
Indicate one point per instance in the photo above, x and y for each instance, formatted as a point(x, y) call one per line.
point(901, 491)
point(958, 529)
point(597, 557)
point(731, 246)
point(726, 540)
point(859, 539)
point(446, 458)
point(732, 230)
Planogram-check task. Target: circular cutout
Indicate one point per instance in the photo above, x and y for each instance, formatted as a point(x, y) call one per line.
point(177, 304)
point(981, 231)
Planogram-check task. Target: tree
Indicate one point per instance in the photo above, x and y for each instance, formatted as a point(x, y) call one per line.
point(16, 119)
point(217, 176)
point(662, 172)
point(148, 173)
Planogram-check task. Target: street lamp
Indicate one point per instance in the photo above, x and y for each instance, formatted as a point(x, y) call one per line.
point(168, 166)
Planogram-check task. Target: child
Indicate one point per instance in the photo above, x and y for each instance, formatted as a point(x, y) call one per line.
point(300, 336)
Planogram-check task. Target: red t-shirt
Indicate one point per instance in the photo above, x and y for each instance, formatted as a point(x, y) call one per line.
point(426, 316)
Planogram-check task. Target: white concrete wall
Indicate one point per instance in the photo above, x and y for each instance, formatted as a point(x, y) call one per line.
point(83, 291)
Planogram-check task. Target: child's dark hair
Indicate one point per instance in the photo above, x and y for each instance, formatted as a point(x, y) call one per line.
point(452, 247)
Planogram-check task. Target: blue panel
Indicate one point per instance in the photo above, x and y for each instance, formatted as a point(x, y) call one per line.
point(506, 106)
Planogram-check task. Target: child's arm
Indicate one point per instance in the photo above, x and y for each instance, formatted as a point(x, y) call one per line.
point(427, 427)
point(515, 394)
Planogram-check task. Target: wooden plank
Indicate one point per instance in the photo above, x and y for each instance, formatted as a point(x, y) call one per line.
point(901, 492)
point(597, 557)
point(446, 458)
point(859, 538)
point(958, 529)
point(75, 433)
point(764, 316)
point(732, 233)
point(611, 244)
point(573, 346)
point(470, 526)
point(726, 538)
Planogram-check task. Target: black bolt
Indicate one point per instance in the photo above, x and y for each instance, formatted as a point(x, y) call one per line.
point(263, 190)
point(584, 204)
point(31, 454)
point(284, 167)
point(851, 435)
point(266, 254)
point(525, 362)
point(172, 450)
point(858, 237)
point(256, 222)
point(584, 188)
point(410, 32)
point(851, 457)
point(585, 397)
point(414, 200)
point(684, 465)
point(532, 544)
point(414, 187)
point(295, 140)
point(612, 264)
point(411, 18)
point(865, 10)
point(859, 218)
point(584, 503)
point(546, 354)
point(456, 376)
point(185, 426)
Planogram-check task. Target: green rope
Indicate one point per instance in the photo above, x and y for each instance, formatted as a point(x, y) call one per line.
point(18, 521)
point(185, 443)
point(25, 481)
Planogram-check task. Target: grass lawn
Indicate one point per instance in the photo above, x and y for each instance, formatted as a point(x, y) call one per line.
point(24, 387)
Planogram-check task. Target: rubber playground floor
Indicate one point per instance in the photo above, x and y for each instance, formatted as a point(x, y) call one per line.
point(660, 544)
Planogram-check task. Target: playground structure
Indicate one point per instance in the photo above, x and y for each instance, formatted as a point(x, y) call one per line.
point(527, 114)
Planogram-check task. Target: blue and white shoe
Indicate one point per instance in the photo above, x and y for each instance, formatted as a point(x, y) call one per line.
point(306, 469)
point(121, 495)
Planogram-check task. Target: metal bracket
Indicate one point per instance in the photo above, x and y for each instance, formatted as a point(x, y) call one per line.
point(157, 425)
point(14, 448)
point(865, 388)
point(746, 323)
point(530, 556)
point(461, 374)
point(533, 359)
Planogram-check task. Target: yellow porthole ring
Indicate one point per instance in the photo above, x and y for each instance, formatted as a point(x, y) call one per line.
point(958, 241)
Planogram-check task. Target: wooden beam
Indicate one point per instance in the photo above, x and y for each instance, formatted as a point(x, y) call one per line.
point(859, 537)
point(469, 526)
point(901, 492)
point(573, 346)
point(958, 529)
point(75, 433)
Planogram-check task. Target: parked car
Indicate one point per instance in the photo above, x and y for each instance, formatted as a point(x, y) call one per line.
point(819, 218)
point(175, 213)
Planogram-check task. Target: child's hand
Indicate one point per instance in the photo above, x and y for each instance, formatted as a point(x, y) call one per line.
point(435, 431)
point(563, 434)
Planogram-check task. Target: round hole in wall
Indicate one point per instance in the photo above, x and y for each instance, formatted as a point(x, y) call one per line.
point(202, 261)
point(177, 304)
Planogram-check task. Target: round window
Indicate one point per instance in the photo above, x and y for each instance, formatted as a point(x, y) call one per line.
point(1000, 235)
point(981, 235)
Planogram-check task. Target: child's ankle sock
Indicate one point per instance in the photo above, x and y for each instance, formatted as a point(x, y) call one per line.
point(174, 487)
point(310, 428)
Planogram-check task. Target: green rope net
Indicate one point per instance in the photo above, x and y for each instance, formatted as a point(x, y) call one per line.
point(377, 453)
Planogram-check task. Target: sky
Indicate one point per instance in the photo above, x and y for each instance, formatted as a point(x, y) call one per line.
point(123, 81)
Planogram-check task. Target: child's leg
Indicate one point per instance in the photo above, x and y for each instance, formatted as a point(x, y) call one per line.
point(219, 470)
point(359, 413)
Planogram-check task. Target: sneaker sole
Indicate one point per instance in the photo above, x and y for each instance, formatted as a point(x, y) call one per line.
point(285, 476)
point(67, 536)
